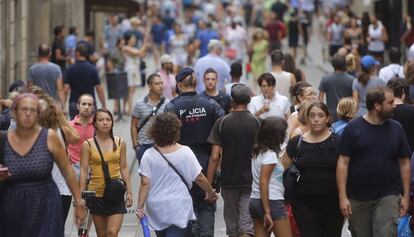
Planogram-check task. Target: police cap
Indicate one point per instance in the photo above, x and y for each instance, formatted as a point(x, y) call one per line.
point(183, 73)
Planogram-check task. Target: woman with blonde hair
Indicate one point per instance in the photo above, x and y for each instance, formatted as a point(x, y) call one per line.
point(351, 64)
point(346, 111)
point(301, 92)
point(52, 117)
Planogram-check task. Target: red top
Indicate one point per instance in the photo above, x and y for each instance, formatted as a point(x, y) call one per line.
point(85, 132)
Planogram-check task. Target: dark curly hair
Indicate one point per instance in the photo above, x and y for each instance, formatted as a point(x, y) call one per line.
point(165, 129)
point(298, 89)
point(270, 136)
point(399, 87)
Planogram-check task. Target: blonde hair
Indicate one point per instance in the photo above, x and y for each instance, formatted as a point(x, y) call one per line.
point(302, 114)
point(346, 108)
point(350, 62)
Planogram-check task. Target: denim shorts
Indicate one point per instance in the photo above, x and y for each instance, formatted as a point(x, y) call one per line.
point(277, 209)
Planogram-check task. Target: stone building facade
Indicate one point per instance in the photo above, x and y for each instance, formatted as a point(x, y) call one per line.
point(24, 24)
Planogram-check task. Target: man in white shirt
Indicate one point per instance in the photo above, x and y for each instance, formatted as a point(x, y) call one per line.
point(284, 80)
point(394, 69)
point(270, 102)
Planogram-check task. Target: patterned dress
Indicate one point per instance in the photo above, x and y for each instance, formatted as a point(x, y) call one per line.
point(30, 200)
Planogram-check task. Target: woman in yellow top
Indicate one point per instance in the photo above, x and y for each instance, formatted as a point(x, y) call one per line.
point(107, 218)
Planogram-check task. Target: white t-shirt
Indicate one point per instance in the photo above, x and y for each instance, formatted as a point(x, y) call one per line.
point(410, 54)
point(276, 189)
point(229, 85)
point(57, 175)
point(279, 106)
point(391, 71)
point(169, 202)
point(283, 82)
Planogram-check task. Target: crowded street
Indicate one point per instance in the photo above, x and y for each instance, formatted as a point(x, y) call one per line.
point(190, 118)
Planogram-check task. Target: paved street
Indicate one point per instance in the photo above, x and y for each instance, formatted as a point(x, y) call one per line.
point(314, 69)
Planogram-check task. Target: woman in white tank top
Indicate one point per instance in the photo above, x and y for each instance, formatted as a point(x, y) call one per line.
point(377, 36)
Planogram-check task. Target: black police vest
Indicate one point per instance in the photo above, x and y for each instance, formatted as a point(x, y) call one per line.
point(197, 115)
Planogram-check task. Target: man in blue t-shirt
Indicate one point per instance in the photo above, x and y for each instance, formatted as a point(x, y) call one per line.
point(198, 115)
point(157, 32)
point(204, 36)
point(373, 169)
point(81, 78)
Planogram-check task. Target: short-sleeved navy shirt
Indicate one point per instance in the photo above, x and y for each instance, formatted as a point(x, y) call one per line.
point(91, 47)
point(223, 99)
point(197, 115)
point(82, 77)
point(374, 152)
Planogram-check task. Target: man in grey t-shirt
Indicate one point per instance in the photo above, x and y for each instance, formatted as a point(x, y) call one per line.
point(336, 85)
point(46, 75)
point(143, 111)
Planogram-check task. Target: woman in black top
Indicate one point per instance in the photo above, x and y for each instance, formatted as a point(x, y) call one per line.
point(315, 196)
point(293, 29)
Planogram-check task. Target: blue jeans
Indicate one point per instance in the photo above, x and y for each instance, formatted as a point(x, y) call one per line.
point(205, 213)
point(140, 150)
point(172, 231)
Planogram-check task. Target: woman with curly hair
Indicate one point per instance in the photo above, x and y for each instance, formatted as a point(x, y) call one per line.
point(167, 172)
point(52, 117)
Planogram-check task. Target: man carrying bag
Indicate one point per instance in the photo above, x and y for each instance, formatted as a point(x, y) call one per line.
point(151, 105)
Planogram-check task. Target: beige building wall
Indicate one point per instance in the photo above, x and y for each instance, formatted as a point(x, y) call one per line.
point(24, 24)
point(361, 6)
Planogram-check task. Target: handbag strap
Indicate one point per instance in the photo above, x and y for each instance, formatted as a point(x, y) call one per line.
point(105, 168)
point(172, 166)
point(297, 148)
point(154, 112)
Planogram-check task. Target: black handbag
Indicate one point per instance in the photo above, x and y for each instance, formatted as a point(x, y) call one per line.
point(115, 189)
point(291, 176)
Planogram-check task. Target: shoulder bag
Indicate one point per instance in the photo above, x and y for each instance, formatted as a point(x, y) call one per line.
point(192, 226)
point(291, 175)
point(115, 189)
point(153, 113)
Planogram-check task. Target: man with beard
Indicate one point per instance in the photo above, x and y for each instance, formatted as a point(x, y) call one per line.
point(84, 126)
point(167, 76)
point(373, 169)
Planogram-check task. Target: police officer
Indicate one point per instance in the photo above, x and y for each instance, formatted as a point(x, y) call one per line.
point(197, 115)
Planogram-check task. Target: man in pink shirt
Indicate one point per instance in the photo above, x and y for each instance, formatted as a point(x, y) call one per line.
point(167, 76)
point(84, 125)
